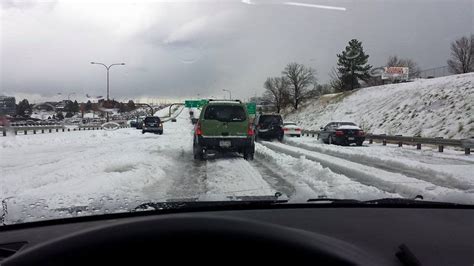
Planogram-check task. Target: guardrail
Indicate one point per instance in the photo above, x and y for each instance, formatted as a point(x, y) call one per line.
point(466, 144)
point(46, 129)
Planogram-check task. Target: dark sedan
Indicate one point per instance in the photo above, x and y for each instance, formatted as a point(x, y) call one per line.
point(342, 133)
point(152, 124)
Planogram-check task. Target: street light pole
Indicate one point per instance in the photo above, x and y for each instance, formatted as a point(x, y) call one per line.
point(108, 68)
point(230, 93)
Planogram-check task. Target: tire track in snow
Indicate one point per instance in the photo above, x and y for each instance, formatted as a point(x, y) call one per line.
point(310, 180)
point(228, 175)
point(188, 178)
point(384, 180)
point(428, 175)
point(272, 177)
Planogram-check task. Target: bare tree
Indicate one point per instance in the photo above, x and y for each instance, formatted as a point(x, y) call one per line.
point(299, 77)
point(320, 89)
point(395, 61)
point(336, 82)
point(276, 91)
point(462, 55)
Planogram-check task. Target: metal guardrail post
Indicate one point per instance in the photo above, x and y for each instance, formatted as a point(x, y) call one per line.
point(400, 143)
point(4, 132)
point(25, 131)
point(16, 132)
point(371, 141)
point(42, 131)
point(440, 147)
point(418, 146)
point(49, 130)
point(63, 129)
point(34, 131)
point(68, 130)
point(467, 151)
point(57, 129)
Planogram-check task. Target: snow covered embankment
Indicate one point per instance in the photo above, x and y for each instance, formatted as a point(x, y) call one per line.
point(440, 107)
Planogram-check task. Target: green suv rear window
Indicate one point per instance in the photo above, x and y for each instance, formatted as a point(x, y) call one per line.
point(225, 113)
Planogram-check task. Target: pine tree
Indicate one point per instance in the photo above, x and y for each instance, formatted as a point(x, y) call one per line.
point(131, 105)
point(353, 65)
point(23, 108)
point(88, 105)
point(59, 115)
point(75, 107)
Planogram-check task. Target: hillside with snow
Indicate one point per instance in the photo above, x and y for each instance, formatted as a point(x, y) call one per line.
point(439, 107)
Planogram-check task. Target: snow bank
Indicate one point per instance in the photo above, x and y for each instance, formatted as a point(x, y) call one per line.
point(384, 180)
point(311, 180)
point(439, 107)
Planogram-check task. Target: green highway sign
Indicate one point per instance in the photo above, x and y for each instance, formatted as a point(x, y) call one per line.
point(252, 108)
point(194, 103)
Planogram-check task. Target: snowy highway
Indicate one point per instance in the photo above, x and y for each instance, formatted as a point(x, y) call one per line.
point(126, 168)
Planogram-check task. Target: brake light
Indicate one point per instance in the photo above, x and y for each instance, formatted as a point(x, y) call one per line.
point(339, 133)
point(198, 129)
point(361, 133)
point(285, 129)
point(298, 129)
point(250, 130)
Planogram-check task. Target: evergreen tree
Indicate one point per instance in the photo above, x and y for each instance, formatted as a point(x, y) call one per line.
point(69, 114)
point(23, 108)
point(69, 106)
point(131, 105)
point(75, 107)
point(352, 65)
point(88, 105)
point(59, 115)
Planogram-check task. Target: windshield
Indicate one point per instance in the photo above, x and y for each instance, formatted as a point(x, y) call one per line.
point(80, 82)
point(152, 120)
point(269, 119)
point(225, 113)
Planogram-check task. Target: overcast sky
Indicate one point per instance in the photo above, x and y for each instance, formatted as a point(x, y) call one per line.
point(177, 49)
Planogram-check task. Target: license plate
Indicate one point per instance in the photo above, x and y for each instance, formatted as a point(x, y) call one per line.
point(350, 138)
point(225, 143)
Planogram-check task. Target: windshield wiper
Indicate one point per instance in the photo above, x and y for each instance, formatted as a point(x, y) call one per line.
point(417, 201)
point(408, 202)
point(194, 203)
point(334, 201)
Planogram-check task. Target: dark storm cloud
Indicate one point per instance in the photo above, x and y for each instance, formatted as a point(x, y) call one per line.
point(185, 49)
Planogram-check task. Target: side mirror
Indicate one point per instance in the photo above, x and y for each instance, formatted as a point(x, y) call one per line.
point(321, 128)
point(173, 120)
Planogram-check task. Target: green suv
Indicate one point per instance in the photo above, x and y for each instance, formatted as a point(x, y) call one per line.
point(223, 126)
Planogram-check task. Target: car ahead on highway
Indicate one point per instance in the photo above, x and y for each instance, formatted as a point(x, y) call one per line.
point(269, 126)
point(342, 133)
point(139, 124)
point(152, 124)
point(223, 126)
point(291, 129)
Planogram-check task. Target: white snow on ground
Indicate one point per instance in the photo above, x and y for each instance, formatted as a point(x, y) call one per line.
point(44, 176)
point(388, 181)
point(450, 168)
point(439, 107)
point(235, 177)
point(311, 180)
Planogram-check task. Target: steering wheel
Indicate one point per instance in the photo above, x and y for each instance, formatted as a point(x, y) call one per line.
point(155, 240)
